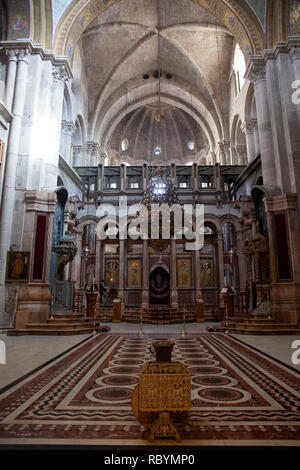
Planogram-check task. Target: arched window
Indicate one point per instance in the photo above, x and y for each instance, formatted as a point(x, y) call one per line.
point(239, 66)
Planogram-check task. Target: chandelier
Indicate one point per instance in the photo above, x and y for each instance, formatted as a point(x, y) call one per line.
point(160, 188)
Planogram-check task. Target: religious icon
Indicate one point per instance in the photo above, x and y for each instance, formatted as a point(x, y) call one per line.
point(134, 273)
point(20, 23)
point(184, 278)
point(17, 266)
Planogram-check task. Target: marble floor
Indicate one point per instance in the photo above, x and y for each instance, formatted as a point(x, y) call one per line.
point(65, 390)
point(25, 353)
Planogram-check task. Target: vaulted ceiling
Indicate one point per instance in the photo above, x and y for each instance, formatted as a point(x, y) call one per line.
point(119, 57)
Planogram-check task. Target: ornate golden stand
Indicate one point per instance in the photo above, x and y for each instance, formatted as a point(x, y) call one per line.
point(164, 388)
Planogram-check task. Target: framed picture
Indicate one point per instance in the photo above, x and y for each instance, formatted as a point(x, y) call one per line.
point(184, 272)
point(134, 273)
point(17, 266)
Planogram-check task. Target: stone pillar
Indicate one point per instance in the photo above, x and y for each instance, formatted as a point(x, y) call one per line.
point(11, 77)
point(213, 158)
point(122, 177)
point(248, 129)
point(257, 74)
point(93, 153)
point(121, 270)
point(145, 176)
point(241, 154)
point(9, 180)
point(55, 113)
point(145, 291)
point(234, 155)
point(220, 264)
point(78, 155)
point(227, 152)
point(198, 292)
point(242, 262)
point(76, 263)
point(256, 138)
point(222, 156)
point(67, 130)
point(34, 297)
point(195, 182)
point(98, 261)
point(173, 277)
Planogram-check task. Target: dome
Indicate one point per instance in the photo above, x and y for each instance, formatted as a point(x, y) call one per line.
point(178, 136)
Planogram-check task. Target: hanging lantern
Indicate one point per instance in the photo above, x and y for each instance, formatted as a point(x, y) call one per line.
point(124, 145)
point(191, 145)
point(157, 151)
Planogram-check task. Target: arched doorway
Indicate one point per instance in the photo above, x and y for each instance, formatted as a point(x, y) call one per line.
point(159, 287)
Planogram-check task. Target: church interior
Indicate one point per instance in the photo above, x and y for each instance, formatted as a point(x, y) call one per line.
point(111, 335)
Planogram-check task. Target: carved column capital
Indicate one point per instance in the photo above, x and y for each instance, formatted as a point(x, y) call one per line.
point(60, 75)
point(257, 72)
point(67, 128)
point(294, 53)
point(248, 127)
point(23, 54)
point(92, 148)
point(12, 54)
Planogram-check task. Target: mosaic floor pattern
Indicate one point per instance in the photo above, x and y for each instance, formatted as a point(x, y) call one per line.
point(239, 396)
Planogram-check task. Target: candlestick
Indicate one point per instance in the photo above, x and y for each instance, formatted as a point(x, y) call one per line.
point(51, 306)
point(184, 332)
point(141, 333)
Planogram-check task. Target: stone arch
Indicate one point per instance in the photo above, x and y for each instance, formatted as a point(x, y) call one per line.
point(249, 102)
point(236, 15)
point(230, 219)
point(159, 265)
point(212, 221)
point(106, 122)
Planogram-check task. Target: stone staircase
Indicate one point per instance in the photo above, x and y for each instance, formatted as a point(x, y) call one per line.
point(156, 315)
point(60, 324)
point(260, 325)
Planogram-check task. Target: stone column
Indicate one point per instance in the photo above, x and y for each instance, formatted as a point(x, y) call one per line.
point(11, 77)
point(121, 270)
point(145, 176)
point(195, 177)
point(227, 152)
point(234, 155)
point(220, 264)
point(67, 130)
point(122, 177)
point(213, 158)
point(248, 129)
point(98, 261)
point(222, 156)
point(243, 268)
point(256, 138)
point(76, 263)
point(145, 291)
point(257, 75)
point(55, 113)
point(77, 155)
point(241, 154)
point(9, 181)
point(93, 153)
point(173, 277)
point(198, 292)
